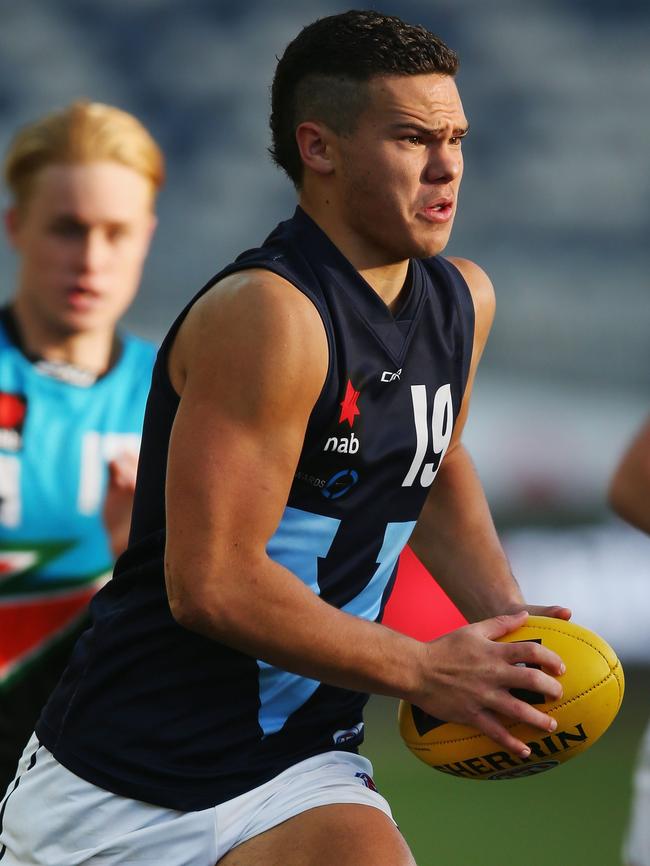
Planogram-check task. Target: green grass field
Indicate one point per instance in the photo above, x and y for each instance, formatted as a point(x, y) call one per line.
point(573, 815)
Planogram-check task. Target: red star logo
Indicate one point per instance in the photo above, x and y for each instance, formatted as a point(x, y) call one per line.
point(349, 408)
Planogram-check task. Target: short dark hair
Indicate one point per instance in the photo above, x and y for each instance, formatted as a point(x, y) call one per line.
point(319, 75)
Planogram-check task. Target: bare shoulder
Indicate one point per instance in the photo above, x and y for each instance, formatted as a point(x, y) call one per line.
point(248, 323)
point(480, 286)
point(257, 305)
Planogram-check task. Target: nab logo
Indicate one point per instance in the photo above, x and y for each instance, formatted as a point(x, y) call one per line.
point(387, 376)
point(342, 445)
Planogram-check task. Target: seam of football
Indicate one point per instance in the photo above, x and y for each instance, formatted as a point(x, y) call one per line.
point(574, 636)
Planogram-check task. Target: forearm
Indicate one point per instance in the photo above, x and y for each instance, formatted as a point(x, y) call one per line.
point(268, 613)
point(629, 490)
point(457, 542)
point(632, 505)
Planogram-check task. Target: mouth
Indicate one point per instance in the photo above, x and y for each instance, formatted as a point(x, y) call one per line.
point(80, 297)
point(439, 211)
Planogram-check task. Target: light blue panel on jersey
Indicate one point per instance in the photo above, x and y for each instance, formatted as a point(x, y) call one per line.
point(367, 604)
point(282, 693)
point(53, 464)
point(301, 538)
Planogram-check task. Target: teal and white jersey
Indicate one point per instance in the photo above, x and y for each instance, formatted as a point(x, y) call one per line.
point(57, 436)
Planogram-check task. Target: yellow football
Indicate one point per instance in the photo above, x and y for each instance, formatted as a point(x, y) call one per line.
point(592, 693)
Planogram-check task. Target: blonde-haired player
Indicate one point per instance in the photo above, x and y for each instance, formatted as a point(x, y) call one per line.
point(82, 182)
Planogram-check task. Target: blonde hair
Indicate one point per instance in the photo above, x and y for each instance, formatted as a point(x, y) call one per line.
point(80, 133)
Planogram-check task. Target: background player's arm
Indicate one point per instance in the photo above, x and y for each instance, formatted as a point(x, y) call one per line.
point(455, 537)
point(629, 489)
point(118, 503)
point(249, 363)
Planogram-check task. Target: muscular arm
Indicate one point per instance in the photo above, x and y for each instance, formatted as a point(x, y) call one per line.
point(249, 363)
point(246, 397)
point(456, 540)
point(629, 489)
point(455, 536)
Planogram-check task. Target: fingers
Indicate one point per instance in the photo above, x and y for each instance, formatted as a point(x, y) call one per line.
point(513, 709)
point(555, 611)
point(499, 626)
point(504, 707)
point(496, 683)
point(522, 698)
point(122, 471)
point(534, 683)
point(489, 724)
point(529, 652)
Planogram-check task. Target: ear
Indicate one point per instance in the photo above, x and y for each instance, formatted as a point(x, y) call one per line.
point(315, 146)
point(12, 225)
point(153, 225)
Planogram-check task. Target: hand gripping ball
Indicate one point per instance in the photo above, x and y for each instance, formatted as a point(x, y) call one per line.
point(593, 690)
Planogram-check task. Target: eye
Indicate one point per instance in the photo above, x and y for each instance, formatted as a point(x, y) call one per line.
point(457, 140)
point(116, 233)
point(68, 229)
point(414, 139)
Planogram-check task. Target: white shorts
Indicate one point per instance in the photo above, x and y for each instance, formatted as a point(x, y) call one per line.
point(636, 849)
point(53, 818)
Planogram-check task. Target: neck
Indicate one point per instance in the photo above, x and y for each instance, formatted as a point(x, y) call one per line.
point(386, 277)
point(89, 350)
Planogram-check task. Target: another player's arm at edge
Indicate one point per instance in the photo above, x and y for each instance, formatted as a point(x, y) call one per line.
point(629, 488)
point(455, 536)
point(249, 363)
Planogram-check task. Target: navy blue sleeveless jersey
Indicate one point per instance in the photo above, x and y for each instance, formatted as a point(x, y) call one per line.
point(155, 712)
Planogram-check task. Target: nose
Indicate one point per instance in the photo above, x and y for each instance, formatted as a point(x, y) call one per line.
point(94, 251)
point(444, 165)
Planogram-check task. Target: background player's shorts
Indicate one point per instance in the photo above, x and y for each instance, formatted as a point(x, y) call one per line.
point(50, 817)
point(637, 844)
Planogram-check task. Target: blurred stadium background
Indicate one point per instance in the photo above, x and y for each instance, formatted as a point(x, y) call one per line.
point(555, 205)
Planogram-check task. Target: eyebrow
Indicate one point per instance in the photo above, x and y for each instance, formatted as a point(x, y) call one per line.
point(72, 218)
point(458, 132)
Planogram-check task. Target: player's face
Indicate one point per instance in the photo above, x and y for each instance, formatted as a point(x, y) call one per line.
point(400, 170)
point(82, 237)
